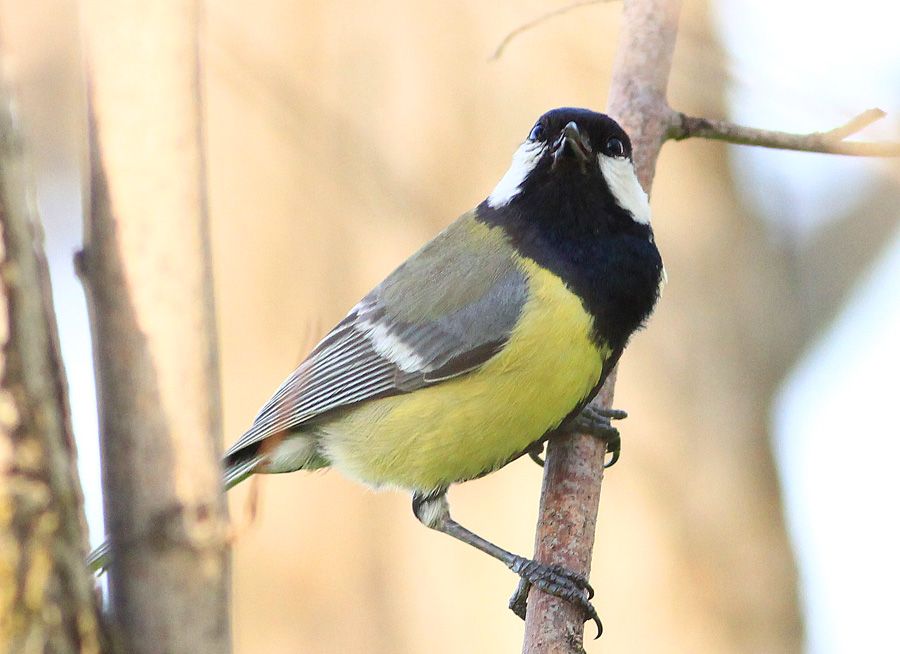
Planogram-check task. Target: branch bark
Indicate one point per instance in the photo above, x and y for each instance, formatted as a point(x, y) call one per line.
point(146, 267)
point(47, 603)
point(830, 142)
point(573, 472)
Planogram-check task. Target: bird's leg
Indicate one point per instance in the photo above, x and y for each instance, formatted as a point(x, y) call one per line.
point(433, 511)
point(591, 420)
point(535, 452)
point(595, 421)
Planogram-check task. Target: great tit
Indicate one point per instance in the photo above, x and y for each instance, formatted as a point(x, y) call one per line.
point(484, 343)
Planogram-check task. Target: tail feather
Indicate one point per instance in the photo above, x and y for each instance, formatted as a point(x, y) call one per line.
point(235, 473)
point(98, 559)
point(238, 471)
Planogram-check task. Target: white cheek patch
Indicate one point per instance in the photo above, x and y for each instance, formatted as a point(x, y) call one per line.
point(523, 162)
point(625, 187)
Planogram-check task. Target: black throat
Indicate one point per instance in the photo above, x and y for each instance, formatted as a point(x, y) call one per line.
point(573, 226)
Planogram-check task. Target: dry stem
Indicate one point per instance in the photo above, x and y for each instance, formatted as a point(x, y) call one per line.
point(524, 27)
point(830, 142)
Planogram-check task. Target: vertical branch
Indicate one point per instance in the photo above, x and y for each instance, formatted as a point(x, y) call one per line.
point(47, 602)
point(574, 466)
point(146, 267)
point(637, 92)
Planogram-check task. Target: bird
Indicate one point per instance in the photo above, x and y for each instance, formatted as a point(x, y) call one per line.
point(489, 340)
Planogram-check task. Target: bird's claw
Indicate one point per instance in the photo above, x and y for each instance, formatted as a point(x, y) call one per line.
point(555, 580)
point(596, 421)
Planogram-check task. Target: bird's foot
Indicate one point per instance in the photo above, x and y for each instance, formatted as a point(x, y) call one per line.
point(596, 421)
point(555, 580)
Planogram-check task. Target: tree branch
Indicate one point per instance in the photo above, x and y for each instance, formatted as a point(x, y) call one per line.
point(830, 142)
point(524, 27)
point(146, 267)
point(573, 472)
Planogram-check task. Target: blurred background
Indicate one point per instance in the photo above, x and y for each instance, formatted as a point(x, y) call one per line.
point(755, 506)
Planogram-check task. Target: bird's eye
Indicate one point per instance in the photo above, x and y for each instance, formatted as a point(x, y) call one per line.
point(615, 147)
point(537, 133)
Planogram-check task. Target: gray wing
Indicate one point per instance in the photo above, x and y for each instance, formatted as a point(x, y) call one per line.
point(443, 313)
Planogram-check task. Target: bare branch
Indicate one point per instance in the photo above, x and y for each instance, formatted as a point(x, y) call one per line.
point(524, 27)
point(573, 472)
point(573, 469)
point(830, 142)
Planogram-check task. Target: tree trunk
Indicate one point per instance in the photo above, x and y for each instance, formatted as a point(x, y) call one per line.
point(47, 602)
point(146, 266)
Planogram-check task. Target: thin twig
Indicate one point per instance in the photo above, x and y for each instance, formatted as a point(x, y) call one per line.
point(524, 27)
point(855, 124)
point(830, 142)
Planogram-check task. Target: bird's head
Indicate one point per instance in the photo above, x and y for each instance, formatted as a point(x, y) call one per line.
point(569, 150)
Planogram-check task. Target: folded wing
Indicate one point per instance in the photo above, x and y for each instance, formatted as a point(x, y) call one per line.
point(443, 313)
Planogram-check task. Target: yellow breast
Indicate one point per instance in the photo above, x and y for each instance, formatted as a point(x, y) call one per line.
point(461, 428)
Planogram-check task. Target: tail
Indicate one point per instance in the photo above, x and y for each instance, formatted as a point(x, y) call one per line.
point(236, 471)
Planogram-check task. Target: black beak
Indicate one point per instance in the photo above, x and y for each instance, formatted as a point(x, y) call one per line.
point(571, 145)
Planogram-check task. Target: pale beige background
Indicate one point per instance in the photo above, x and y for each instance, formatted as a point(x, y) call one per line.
point(341, 136)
